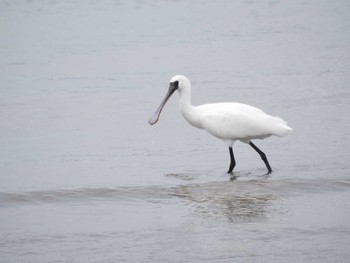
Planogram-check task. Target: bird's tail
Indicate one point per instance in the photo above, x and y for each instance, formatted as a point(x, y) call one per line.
point(280, 127)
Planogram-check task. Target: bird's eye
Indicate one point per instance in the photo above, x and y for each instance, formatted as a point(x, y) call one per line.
point(176, 84)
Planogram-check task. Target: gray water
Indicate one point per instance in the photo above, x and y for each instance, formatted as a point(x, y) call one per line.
point(84, 178)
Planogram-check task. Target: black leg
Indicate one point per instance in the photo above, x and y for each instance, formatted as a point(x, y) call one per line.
point(233, 162)
point(263, 157)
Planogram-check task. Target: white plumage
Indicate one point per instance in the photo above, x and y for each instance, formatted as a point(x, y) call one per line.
point(227, 121)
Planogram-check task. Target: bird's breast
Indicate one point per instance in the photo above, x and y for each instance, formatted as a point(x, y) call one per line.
point(192, 116)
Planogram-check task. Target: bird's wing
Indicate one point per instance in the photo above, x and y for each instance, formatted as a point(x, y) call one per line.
point(237, 121)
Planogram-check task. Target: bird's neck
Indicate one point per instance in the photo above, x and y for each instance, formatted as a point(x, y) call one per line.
point(185, 99)
point(188, 110)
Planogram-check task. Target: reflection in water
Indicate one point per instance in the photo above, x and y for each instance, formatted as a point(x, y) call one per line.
point(246, 208)
point(236, 201)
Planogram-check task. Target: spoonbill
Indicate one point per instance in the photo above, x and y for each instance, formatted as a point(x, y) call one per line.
point(228, 121)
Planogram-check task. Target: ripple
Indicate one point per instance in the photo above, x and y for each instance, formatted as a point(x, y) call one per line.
point(236, 201)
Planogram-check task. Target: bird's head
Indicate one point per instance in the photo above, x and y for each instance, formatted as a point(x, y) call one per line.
point(183, 83)
point(179, 83)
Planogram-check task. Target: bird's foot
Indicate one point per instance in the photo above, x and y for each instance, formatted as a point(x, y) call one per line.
point(230, 169)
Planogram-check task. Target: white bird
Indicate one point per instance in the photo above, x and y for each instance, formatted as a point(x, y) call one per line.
point(227, 121)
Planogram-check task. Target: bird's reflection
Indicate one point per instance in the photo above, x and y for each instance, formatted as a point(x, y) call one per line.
point(239, 201)
point(233, 177)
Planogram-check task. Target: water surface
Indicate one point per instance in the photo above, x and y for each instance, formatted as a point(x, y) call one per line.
point(84, 178)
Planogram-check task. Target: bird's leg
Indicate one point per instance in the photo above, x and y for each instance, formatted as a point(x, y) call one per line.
point(233, 162)
point(263, 157)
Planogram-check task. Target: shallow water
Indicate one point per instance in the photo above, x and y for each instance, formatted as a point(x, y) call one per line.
point(84, 178)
